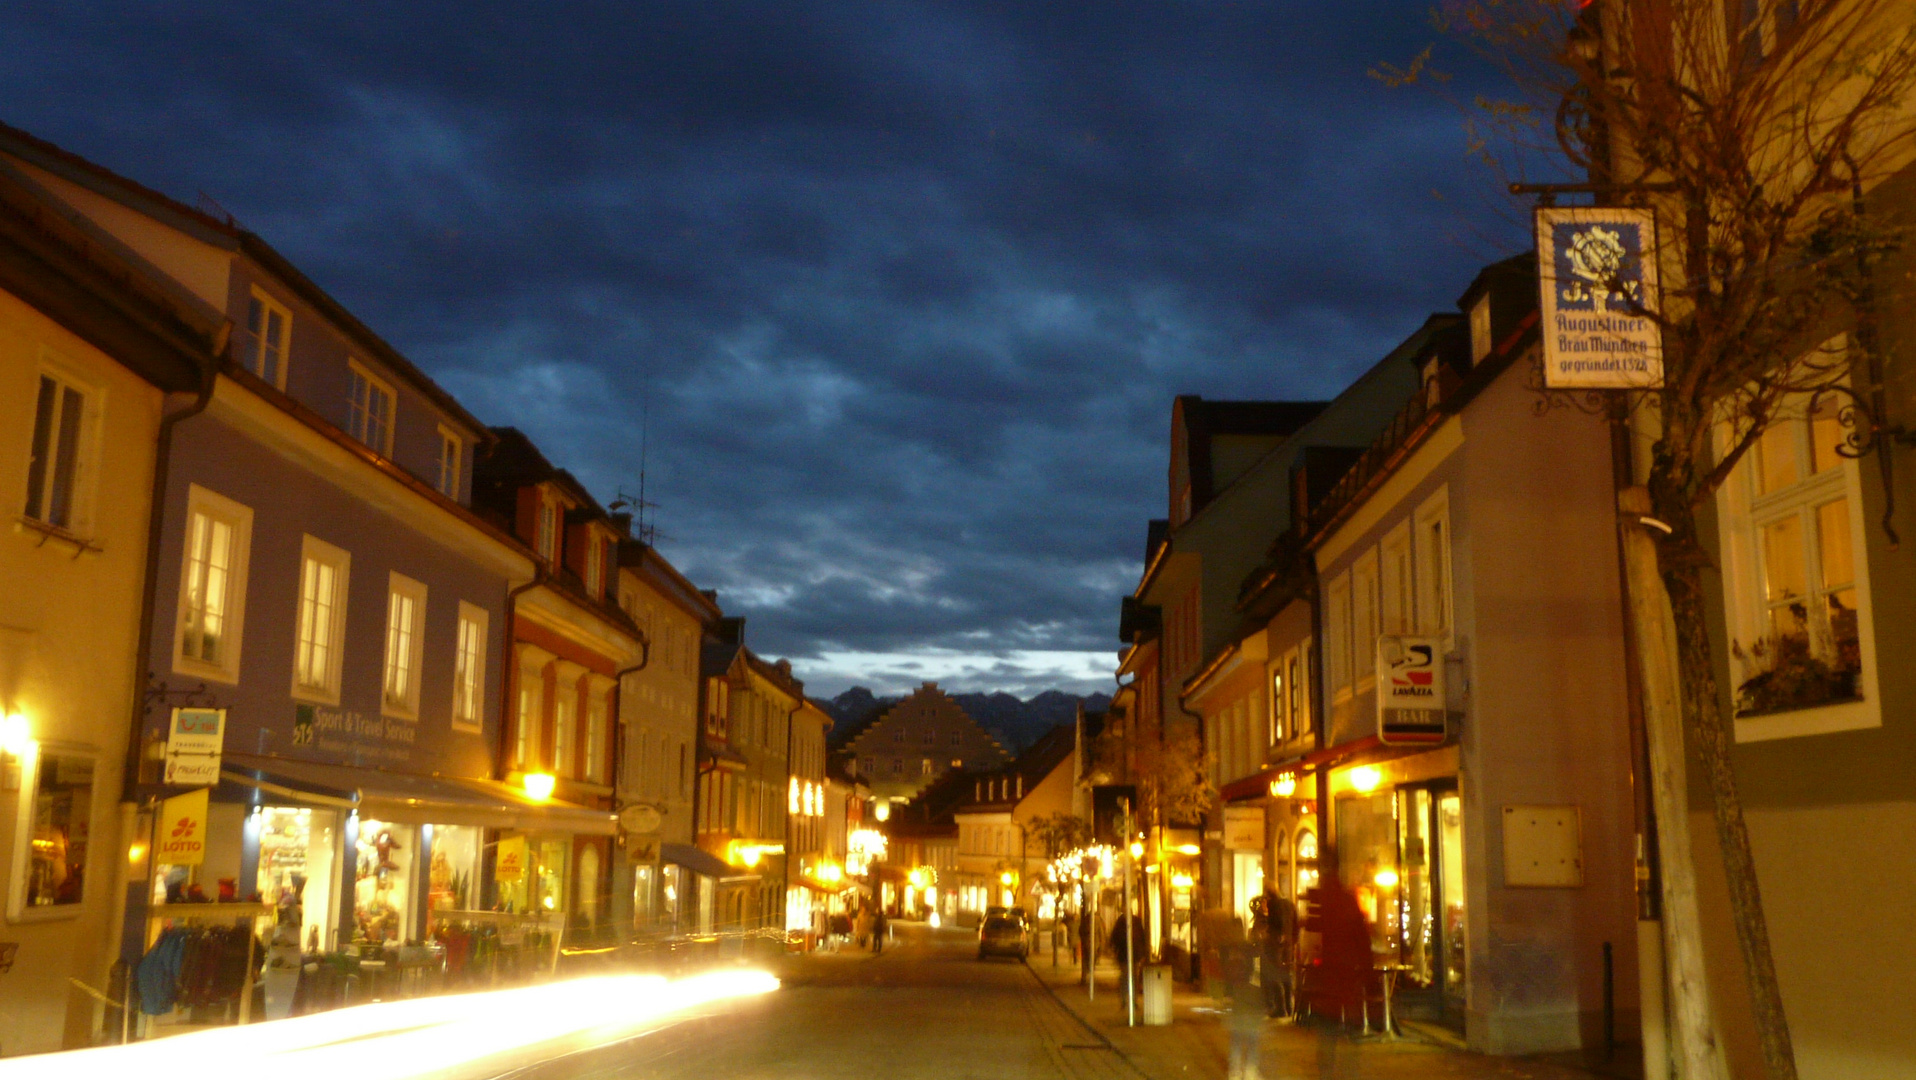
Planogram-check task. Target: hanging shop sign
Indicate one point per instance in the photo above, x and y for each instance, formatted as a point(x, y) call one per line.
point(1244, 828)
point(511, 864)
point(1410, 690)
point(182, 832)
point(1597, 274)
point(640, 818)
point(194, 742)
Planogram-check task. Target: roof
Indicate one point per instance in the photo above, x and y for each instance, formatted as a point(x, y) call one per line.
point(643, 559)
point(513, 462)
point(1036, 763)
point(1204, 421)
point(227, 233)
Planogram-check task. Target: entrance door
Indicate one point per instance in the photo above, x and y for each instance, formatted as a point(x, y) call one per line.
point(1450, 879)
point(1431, 900)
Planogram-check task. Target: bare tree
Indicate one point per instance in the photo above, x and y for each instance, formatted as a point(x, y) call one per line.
point(1757, 130)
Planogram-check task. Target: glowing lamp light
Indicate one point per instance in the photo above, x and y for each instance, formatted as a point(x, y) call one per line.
point(1137, 850)
point(749, 855)
point(16, 738)
point(1365, 778)
point(882, 811)
point(1386, 879)
point(1189, 849)
point(135, 853)
point(1007, 877)
point(1181, 881)
point(918, 878)
point(1284, 786)
point(934, 920)
point(551, 902)
point(539, 785)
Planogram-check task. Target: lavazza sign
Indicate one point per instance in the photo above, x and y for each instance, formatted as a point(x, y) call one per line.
point(1597, 276)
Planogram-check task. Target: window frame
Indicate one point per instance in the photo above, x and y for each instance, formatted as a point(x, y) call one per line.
point(545, 529)
point(268, 304)
point(1435, 591)
point(1745, 612)
point(239, 518)
point(469, 672)
point(598, 728)
point(529, 707)
point(1337, 632)
point(28, 794)
point(1364, 620)
point(1397, 582)
point(594, 576)
point(313, 549)
point(407, 706)
point(83, 480)
point(356, 411)
point(452, 463)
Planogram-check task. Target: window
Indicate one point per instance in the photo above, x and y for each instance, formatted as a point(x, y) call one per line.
point(55, 816)
point(370, 415)
point(1300, 679)
point(212, 586)
point(565, 722)
point(53, 467)
point(452, 452)
point(595, 737)
point(957, 738)
point(1759, 27)
point(897, 766)
point(594, 572)
point(1480, 329)
point(924, 768)
point(1399, 600)
point(532, 687)
point(267, 324)
point(321, 626)
point(545, 539)
point(405, 621)
point(1337, 632)
point(1364, 620)
point(1431, 557)
point(1276, 733)
point(1797, 583)
point(469, 667)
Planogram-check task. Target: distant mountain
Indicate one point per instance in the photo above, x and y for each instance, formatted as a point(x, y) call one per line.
point(1015, 722)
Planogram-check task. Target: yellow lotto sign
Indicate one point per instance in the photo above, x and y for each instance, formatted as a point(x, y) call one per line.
point(512, 859)
point(182, 839)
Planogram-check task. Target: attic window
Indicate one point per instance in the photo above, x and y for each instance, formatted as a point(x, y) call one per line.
point(1480, 329)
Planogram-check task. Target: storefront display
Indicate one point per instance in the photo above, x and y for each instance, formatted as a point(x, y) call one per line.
point(62, 801)
point(298, 869)
point(454, 869)
point(531, 874)
point(382, 890)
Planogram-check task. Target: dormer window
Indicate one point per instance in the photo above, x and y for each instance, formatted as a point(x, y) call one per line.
point(370, 415)
point(594, 575)
point(267, 324)
point(452, 453)
point(546, 537)
point(1480, 329)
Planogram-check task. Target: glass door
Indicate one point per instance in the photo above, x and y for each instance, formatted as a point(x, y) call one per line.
point(1417, 896)
point(1450, 847)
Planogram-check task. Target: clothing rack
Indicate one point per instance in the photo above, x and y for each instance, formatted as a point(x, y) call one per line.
point(158, 914)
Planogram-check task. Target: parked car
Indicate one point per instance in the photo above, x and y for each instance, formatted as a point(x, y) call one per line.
point(1018, 913)
point(1003, 935)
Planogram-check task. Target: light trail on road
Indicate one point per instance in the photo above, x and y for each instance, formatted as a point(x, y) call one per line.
point(447, 1037)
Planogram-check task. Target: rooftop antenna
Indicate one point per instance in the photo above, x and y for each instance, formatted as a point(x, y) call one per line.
point(644, 527)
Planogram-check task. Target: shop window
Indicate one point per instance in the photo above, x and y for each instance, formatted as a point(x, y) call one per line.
point(55, 816)
point(469, 667)
point(212, 586)
point(382, 881)
point(595, 714)
point(454, 872)
point(405, 644)
point(321, 626)
point(297, 847)
point(60, 449)
point(1796, 580)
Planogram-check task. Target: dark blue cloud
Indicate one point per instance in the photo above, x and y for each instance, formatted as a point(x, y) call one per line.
point(898, 293)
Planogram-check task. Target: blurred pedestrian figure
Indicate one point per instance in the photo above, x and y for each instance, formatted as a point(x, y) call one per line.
point(1247, 1012)
point(1275, 932)
point(1127, 925)
point(861, 927)
point(880, 928)
point(1344, 960)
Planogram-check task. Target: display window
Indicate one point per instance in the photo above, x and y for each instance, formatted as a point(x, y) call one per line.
point(382, 880)
point(453, 871)
point(298, 869)
point(60, 820)
point(531, 874)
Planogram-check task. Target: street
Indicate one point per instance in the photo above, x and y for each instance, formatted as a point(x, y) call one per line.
point(926, 1008)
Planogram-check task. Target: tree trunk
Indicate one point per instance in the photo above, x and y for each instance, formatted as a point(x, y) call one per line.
point(1681, 559)
point(1698, 1051)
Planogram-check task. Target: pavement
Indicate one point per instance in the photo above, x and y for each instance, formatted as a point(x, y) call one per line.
point(928, 1008)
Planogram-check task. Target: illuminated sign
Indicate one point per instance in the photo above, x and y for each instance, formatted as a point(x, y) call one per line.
point(194, 741)
point(1410, 690)
point(182, 839)
point(1597, 280)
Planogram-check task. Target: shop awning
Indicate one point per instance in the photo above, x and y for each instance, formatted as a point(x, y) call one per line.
point(703, 863)
point(412, 799)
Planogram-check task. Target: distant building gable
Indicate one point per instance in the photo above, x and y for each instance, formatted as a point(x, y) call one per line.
point(918, 740)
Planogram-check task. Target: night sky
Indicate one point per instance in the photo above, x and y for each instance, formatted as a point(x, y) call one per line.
point(898, 293)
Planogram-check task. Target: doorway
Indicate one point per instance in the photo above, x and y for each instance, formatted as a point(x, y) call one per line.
point(1431, 902)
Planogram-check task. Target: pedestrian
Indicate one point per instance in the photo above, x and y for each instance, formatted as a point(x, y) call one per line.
point(1247, 1012)
point(861, 927)
point(1277, 944)
point(1344, 962)
point(880, 927)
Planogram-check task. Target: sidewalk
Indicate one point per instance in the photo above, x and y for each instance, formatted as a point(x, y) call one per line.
point(1196, 1045)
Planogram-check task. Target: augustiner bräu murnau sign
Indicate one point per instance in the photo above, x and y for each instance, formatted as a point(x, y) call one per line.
point(1597, 275)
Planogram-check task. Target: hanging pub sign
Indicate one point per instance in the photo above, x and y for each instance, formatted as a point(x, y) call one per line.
point(181, 839)
point(1410, 690)
point(1597, 274)
point(194, 742)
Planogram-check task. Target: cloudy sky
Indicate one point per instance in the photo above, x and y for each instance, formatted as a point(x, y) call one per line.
point(894, 295)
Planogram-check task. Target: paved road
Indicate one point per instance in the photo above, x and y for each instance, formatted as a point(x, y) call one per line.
point(926, 1008)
